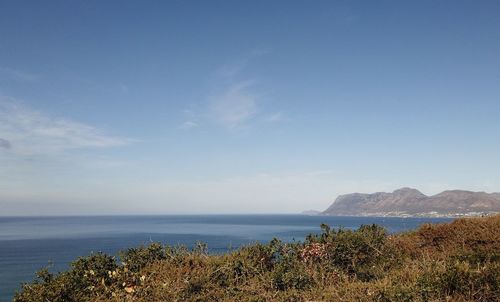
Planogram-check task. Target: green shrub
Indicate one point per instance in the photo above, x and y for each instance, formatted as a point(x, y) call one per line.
point(137, 258)
point(433, 263)
point(357, 251)
point(459, 278)
point(288, 271)
point(88, 276)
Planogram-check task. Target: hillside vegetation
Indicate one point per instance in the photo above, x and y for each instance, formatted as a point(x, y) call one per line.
point(459, 261)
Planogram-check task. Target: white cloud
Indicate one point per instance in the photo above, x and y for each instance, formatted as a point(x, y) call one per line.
point(192, 119)
point(27, 131)
point(188, 125)
point(232, 106)
point(235, 106)
point(234, 101)
point(275, 117)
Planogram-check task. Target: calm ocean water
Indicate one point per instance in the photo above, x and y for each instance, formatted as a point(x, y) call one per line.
point(30, 243)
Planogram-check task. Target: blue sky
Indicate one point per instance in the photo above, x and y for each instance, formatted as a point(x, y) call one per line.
point(120, 107)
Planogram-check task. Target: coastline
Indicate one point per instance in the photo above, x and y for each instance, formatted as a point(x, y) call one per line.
point(417, 215)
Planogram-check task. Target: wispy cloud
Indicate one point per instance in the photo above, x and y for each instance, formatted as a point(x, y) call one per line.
point(26, 131)
point(191, 119)
point(236, 105)
point(18, 75)
point(188, 125)
point(234, 100)
point(275, 117)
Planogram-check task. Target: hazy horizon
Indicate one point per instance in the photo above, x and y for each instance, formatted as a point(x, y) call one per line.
point(243, 107)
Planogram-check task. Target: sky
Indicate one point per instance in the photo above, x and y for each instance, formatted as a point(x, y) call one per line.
point(193, 107)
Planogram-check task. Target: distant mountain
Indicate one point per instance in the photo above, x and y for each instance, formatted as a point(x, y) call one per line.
point(411, 202)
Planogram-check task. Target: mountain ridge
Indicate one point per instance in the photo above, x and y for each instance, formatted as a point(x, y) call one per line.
point(411, 202)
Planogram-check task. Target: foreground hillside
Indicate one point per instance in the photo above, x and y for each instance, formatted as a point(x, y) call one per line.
point(459, 261)
point(411, 202)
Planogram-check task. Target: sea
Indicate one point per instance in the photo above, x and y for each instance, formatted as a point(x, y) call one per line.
point(28, 244)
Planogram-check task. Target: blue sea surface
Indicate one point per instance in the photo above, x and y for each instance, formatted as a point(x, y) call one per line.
point(28, 244)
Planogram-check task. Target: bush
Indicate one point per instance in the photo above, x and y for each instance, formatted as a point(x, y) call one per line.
point(457, 278)
point(88, 276)
point(457, 262)
point(356, 252)
point(137, 258)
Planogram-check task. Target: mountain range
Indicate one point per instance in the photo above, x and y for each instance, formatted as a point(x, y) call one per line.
point(411, 202)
